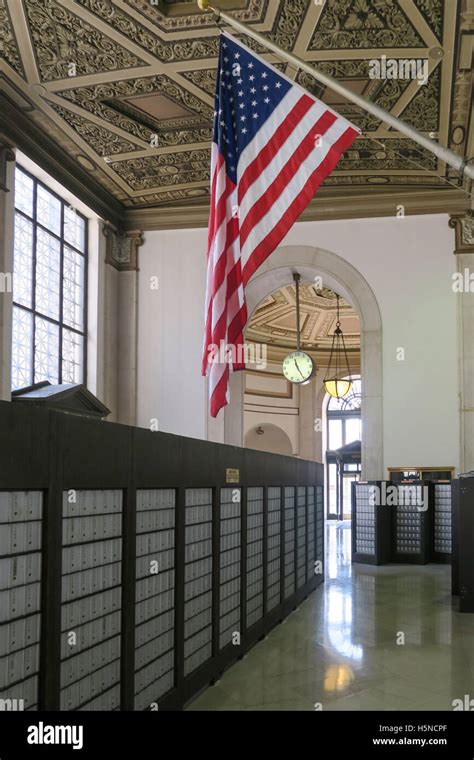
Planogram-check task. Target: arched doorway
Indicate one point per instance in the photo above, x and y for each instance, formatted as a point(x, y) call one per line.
point(268, 437)
point(337, 274)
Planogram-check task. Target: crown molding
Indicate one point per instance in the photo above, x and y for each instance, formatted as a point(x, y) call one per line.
point(326, 206)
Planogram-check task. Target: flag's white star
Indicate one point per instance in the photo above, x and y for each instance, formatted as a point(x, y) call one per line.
point(254, 103)
point(250, 65)
point(255, 116)
point(267, 100)
point(264, 74)
point(244, 131)
point(239, 81)
point(266, 88)
point(241, 94)
point(253, 90)
point(224, 45)
point(243, 118)
point(237, 55)
point(226, 60)
point(251, 78)
point(278, 85)
point(242, 105)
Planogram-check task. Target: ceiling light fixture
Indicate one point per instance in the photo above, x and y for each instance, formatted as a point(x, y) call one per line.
point(338, 381)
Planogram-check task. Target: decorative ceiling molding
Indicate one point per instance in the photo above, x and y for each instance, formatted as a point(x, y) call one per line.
point(359, 24)
point(102, 140)
point(172, 16)
point(114, 78)
point(274, 321)
point(8, 42)
point(65, 43)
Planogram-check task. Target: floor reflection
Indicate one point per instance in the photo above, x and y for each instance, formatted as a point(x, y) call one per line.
point(369, 638)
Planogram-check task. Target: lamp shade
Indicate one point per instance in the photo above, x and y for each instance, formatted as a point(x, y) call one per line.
point(337, 387)
point(338, 381)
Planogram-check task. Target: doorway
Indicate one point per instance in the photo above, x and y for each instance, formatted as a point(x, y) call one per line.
point(340, 276)
point(343, 451)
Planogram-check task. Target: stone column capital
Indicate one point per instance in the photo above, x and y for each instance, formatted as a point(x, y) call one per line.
point(6, 154)
point(122, 248)
point(464, 228)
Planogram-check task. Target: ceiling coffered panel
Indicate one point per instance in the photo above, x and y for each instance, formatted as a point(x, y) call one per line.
point(274, 323)
point(130, 83)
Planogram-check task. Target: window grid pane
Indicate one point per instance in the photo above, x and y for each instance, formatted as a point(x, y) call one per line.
point(23, 261)
point(352, 429)
point(46, 351)
point(49, 276)
point(74, 229)
point(73, 289)
point(332, 488)
point(22, 348)
point(72, 357)
point(335, 434)
point(48, 210)
point(23, 192)
point(48, 262)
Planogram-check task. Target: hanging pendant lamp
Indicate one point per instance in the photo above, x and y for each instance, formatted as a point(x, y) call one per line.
point(338, 381)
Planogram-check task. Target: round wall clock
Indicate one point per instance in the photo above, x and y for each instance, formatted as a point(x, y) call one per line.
point(298, 367)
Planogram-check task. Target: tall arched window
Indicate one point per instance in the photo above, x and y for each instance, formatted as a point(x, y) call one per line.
point(343, 428)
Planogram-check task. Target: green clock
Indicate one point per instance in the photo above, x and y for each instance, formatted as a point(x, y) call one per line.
point(298, 367)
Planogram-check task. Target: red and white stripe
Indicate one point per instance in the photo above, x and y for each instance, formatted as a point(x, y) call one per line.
point(277, 176)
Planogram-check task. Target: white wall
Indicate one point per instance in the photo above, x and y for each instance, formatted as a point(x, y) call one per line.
point(407, 262)
point(170, 332)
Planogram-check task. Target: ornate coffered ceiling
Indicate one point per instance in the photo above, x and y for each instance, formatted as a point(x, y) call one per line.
point(274, 323)
point(125, 88)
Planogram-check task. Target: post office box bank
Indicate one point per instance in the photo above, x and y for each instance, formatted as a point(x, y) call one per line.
point(20, 506)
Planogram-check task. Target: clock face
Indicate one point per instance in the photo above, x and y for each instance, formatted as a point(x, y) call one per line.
point(298, 367)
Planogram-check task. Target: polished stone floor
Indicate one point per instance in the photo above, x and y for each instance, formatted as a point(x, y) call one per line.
point(343, 648)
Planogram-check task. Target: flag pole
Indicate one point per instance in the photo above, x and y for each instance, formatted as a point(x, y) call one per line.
point(444, 154)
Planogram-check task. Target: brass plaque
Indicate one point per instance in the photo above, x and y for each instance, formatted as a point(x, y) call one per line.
point(232, 475)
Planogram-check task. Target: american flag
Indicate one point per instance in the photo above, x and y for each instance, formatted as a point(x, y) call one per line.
point(273, 144)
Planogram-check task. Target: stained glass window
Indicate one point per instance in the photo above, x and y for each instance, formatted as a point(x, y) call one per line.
point(49, 276)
